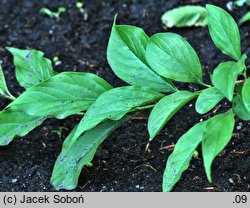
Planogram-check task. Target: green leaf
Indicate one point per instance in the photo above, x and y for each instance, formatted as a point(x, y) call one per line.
point(126, 56)
point(165, 109)
point(15, 122)
point(4, 92)
point(246, 94)
point(31, 67)
point(71, 160)
point(52, 14)
point(219, 130)
point(172, 57)
point(225, 76)
point(240, 109)
point(224, 31)
point(185, 16)
point(114, 104)
point(62, 95)
point(183, 152)
point(245, 18)
point(214, 134)
point(242, 2)
point(208, 99)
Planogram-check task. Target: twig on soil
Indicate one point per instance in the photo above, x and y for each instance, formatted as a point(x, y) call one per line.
point(216, 109)
point(139, 118)
point(238, 152)
point(169, 147)
point(196, 178)
point(147, 147)
point(82, 187)
point(146, 165)
point(210, 188)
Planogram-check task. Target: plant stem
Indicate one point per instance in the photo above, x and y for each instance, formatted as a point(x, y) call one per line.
point(240, 81)
point(142, 108)
point(245, 72)
point(206, 85)
point(80, 114)
point(9, 97)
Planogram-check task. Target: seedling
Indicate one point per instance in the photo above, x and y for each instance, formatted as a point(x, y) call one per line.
point(150, 65)
point(79, 5)
point(59, 131)
point(185, 16)
point(89, 165)
point(196, 154)
point(52, 14)
point(56, 61)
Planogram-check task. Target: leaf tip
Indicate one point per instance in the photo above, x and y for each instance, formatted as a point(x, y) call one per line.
point(208, 171)
point(115, 19)
point(151, 136)
point(8, 48)
point(11, 49)
point(209, 177)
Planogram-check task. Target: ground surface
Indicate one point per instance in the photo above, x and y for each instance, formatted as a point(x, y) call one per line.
point(122, 163)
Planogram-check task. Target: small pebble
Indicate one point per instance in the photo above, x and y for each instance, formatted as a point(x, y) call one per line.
point(137, 186)
point(231, 180)
point(85, 17)
point(230, 6)
point(238, 127)
point(58, 63)
point(190, 105)
point(14, 180)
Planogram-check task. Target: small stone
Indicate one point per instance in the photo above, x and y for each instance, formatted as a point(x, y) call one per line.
point(137, 186)
point(230, 6)
point(239, 127)
point(58, 63)
point(231, 180)
point(190, 105)
point(14, 180)
point(85, 16)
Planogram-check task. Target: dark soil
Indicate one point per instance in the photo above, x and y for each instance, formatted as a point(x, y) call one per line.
point(122, 164)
